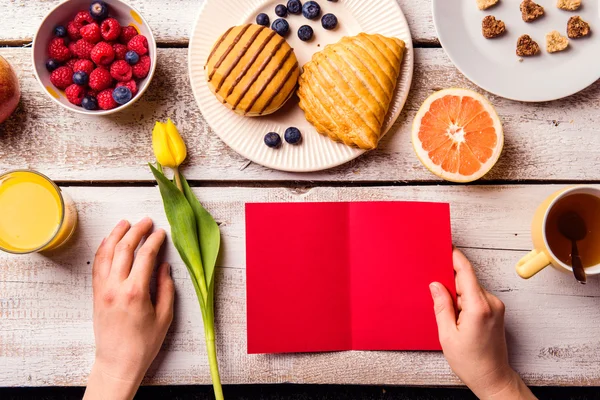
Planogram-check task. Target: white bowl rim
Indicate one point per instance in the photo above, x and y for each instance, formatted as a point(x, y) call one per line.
point(82, 110)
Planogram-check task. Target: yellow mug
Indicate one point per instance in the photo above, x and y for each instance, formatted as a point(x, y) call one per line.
point(542, 255)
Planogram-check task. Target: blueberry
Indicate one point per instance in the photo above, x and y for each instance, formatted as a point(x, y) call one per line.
point(132, 57)
point(305, 33)
point(60, 31)
point(89, 103)
point(263, 19)
point(281, 11)
point(122, 94)
point(281, 26)
point(99, 10)
point(80, 78)
point(293, 135)
point(52, 64)
point(311, 10)
point(294, 7)
point(329, 21)
point(273, 140)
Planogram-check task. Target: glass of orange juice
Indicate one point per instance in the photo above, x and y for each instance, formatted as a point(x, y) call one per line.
point(35, 215)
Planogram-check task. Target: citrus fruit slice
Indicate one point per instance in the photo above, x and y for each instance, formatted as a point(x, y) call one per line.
point(457, 135)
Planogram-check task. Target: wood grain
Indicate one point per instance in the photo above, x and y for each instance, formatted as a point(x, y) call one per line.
point(544, 141)
point(46, 333)
point(172, 21)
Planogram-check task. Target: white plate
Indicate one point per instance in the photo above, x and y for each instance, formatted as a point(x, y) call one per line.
point(245, 135)
point(493, 64)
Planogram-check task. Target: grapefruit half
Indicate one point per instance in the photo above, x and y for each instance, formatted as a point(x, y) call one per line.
point(457, 135)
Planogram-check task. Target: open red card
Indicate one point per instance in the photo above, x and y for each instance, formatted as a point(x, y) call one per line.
point(345, 276)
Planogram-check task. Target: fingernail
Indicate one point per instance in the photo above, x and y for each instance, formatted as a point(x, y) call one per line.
point(435, 290)
point(102, 242)
point(123, 223)
point(146, 219)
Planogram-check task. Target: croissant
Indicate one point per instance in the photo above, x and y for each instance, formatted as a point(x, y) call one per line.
point(346, 89)
point(252, 70)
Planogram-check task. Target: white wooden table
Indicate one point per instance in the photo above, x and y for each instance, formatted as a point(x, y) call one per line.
point(553, 324)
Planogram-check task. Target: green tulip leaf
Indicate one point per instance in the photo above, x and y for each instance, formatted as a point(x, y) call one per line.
point(209, 235)
point(184, 232)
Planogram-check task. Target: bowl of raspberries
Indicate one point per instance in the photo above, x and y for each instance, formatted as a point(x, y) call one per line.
point(94, 57)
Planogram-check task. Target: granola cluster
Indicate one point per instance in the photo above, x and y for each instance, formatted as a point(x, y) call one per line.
point(531, 11)
point(492, 27)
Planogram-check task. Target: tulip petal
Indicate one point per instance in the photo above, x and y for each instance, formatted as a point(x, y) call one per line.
point(176, 144)
point(161, 147)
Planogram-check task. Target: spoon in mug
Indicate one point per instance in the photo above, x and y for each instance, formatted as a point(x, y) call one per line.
point(572, 226)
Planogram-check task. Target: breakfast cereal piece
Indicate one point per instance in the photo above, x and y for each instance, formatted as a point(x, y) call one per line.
point(492, 27)
point(555, 42)
point(526, 46)
point(531, 11)
point(569, 5)
point(576, 28)
point(485, 4)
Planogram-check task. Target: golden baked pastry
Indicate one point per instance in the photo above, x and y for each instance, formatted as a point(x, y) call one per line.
point(252, 70)
point(347, 88)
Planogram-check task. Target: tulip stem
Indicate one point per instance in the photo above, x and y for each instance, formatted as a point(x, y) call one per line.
point(178, 179)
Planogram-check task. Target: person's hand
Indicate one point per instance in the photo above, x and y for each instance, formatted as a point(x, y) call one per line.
point(474, 343)
point(128, 328)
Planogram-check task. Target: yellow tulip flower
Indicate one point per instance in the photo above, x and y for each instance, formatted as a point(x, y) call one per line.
point(169, 147)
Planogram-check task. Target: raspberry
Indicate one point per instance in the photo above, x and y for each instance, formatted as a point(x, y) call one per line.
point(83, 65)
point(100, 79)
point(71, 63)
point(127, 33)
point(131, 85)
point(110, 29)
point(105, 100)
point(62, 77)
point(72, 47)
point(142, 68)
point(121, 71)
point(103, 54)
point(74, 30)
point(58, 50)
point(120, 51)
point(75, 94)
point(139, 44)
point(83, 49)
point(92, 92)
point(91, 33)
point(83, 18)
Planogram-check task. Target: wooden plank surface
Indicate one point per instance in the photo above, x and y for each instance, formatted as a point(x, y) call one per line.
point(172, 21)
point(46, 333)
point(544, 141)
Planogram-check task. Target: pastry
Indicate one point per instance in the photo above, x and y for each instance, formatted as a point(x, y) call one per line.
point(569, 5)
point(526, 46)
point(347, 88)
point(252, 70)
point(555, 42)
point(576, 28)
point(492, 27)
point(531, 11)
point(485, 4)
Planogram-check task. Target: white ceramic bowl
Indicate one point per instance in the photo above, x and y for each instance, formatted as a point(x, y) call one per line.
point(61, 15)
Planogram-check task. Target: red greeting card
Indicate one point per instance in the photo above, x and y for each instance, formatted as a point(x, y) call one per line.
point(345, 276)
